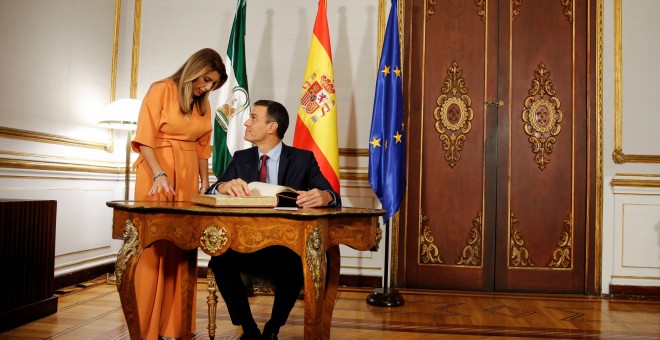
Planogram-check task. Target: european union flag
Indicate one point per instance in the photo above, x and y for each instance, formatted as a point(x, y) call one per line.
point(387, 150)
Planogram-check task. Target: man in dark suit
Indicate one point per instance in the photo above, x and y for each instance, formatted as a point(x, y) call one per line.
point(273, 162)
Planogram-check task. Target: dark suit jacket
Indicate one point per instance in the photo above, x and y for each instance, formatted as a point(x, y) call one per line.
point(298, 170)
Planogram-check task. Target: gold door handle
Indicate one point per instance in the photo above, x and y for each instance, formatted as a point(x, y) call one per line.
point(497, 103)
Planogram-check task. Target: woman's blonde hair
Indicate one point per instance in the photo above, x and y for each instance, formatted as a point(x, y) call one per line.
point(199, 64)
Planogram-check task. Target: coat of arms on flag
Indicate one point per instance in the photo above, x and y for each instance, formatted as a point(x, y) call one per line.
point(317, 99)
point(237, 102)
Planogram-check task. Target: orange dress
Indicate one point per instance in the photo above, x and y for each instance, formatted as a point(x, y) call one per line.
point(178, 142)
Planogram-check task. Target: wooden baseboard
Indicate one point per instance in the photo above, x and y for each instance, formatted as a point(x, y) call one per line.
point(74, 278)
point(88, 274)
point(635, 292)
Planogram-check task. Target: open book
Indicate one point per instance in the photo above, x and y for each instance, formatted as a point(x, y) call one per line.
point(263, 195)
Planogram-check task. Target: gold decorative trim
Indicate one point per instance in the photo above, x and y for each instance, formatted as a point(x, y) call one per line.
point(213, 238)
point(128, 250)
point(515, 10)
point(354, 152)
point(430, 8)
point(379, 237)
point(42, 165)
point(7, 132)
point(618, 156)
point(519, 256)
point(428, 252)
point(598, 237)
point(542, 116)
point(471, 254)
point(354, 176)
point(454, 113)
point(315, 257)
point(481, 9)
point(562, 256)
point(135, 56)
point(115, 52)
point(381, 29)
point(568, 9)
point(211, 301)
point(635, 183)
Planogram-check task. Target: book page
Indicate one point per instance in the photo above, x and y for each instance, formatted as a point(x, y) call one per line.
point(266, 189)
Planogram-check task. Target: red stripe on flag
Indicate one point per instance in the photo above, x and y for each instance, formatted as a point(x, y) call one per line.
point(321, 28)
point(302, 137)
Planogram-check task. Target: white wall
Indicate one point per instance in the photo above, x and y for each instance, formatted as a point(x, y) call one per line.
point(631, 190)
point(56, 80)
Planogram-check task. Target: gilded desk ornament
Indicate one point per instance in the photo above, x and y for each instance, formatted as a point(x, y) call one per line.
point(128, 249)
point(315, 257)
point(379, 236)
point(428, 252)
point(542, 116)
point(561, 255)
point(453, 115)
point(519, 256)
point(211, 301)
point(471, 254)
point(213, 238)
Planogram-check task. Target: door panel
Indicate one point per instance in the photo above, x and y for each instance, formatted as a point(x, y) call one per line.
point(498, 119)
point(541, 170)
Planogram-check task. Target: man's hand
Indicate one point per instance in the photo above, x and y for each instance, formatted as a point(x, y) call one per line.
point(313, 198)
point(235, 187)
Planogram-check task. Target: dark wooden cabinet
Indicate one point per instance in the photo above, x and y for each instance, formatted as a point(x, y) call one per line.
point(27, 261)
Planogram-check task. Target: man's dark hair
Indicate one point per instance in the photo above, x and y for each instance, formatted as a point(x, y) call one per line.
point(277, 113)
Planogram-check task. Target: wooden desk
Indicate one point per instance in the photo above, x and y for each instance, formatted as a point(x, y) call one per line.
point(309, 232)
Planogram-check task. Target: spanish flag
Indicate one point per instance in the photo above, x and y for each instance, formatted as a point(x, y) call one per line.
point(316, 125)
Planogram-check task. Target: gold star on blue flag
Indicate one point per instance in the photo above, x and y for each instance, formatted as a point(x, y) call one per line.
point(387, 165)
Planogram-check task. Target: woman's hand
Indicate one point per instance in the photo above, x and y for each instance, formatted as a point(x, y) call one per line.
point(162, 185)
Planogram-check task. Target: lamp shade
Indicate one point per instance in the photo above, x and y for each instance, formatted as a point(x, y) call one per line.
point(121, 114)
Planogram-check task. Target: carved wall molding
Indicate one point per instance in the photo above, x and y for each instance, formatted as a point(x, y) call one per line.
point(471, 254)
point(453, 115)
point(542, 116)
point(568, 9)
point(515, 9)
point(562, 255)
point(481, 9)
point(428, 252)
point(430, 8)
point(618, 156)
point(519, 255)
point(128, 250)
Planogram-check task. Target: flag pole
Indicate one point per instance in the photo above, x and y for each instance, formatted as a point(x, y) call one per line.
point(386, 296)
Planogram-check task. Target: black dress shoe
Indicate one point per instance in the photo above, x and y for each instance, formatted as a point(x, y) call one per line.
point(250, 336)
point(269, 336)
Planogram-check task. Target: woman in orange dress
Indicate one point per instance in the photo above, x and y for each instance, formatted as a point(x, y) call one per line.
point(173, 138)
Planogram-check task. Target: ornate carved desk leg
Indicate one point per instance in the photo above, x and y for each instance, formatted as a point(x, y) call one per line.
point(127, 259)
point(212, 301)
point(334, 259)
point(314, 270)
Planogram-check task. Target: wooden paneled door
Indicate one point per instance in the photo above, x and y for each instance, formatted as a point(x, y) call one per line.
point(501, 145)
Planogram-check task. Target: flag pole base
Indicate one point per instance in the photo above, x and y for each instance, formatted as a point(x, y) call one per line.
point(385, 297)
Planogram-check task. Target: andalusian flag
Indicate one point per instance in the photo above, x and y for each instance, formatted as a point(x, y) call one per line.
point(316, 125)
point(234, 101)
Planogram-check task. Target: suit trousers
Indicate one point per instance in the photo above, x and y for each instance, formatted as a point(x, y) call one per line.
point(282, 264)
